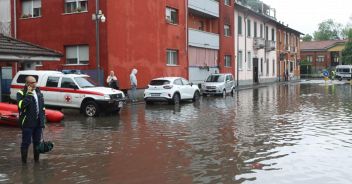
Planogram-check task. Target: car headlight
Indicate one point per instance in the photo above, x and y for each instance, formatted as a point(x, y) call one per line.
point(107, 97)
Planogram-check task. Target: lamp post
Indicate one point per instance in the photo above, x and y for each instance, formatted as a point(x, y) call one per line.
point(98, 17)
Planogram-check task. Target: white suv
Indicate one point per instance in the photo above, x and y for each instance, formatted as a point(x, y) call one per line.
point(221, 83)
point(171, 89)
point(71, 91)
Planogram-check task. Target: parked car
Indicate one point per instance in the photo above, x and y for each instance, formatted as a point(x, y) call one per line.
point(71, 91)
point(171, 89)
point(221, 83)
point(343, 72)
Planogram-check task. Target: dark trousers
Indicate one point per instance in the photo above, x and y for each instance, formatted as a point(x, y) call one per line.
point(29, 134)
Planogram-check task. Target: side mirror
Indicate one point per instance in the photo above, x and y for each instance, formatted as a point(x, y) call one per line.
point(75, 87)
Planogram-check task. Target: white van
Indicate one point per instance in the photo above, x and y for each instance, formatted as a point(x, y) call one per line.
point(343, 72)
point(221, 83)
point(71, 91)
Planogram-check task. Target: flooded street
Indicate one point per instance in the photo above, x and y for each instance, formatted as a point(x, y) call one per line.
point(282, 133)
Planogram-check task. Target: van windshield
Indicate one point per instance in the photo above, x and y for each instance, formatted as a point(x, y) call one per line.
point(215, 78)
point(85, 82)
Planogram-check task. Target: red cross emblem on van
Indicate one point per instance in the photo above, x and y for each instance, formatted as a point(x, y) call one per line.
point(68, 98)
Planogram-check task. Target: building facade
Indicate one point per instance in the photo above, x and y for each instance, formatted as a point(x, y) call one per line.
point(256, 44)
point(317, 56)
point(288, 55)
point(190, 38)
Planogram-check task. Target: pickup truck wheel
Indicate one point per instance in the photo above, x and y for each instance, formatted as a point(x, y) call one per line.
point(91, 109)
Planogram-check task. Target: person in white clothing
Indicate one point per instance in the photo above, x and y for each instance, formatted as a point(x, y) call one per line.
point(133, 80)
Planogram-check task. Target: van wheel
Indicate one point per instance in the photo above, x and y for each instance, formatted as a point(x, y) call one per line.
point(340, 78)
point(232, 91)
point(91, 109)
point(224, 93)
point(196, 96)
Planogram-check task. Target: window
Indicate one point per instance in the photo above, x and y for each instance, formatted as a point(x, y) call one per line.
point(227, 2)
point(261, 30)
point(68, 83)
point(249, 61)
point(320, 58)
point(248, 27)
point(273, 67)
point(255, 30)
point(171, 57)
point(239, 60)
point(201, 26)
point(272, 34)
point(227, 30)
point(22, 78)
point(77, 55)
point(178, 82)
point(239, 25)
point(227, 61)
point(309, 59)
point(52, 82)
point(267, 67)
point(184, 81)
point(171, 15)
point(31, 8)
point(266, 33)
point(291, 67)
point(261, 66)
point(76, 6)
point(38, 63)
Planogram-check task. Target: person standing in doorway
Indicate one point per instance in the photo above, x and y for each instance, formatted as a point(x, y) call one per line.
point(133, 80)
point(31, 117)
point(112, 81)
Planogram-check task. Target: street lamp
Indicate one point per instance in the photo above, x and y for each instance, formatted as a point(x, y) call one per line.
point(98, 17)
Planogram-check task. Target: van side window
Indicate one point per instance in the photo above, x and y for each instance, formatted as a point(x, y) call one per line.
point(68, 83)
point(52, 82)
point(231, 78)
point(22, 78)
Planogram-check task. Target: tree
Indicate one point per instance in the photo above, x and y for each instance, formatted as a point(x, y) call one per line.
point(347, 52)
point(328, 30)
point(307, 38)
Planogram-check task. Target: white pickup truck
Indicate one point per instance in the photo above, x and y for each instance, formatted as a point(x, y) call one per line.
point(71, 91)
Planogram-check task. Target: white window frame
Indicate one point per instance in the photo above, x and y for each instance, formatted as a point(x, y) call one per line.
point(169, 17)
point(77, 54)
point(249, 61)
point(171, 54)
point(240, 59)
point(309, 59)
point(31, 15)
point(227, 60)
point(78, 6)
point(320, 58)
point(227, 2)
point(38, 63)
point(227, 30)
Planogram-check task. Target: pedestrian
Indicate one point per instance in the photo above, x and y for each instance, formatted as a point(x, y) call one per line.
point(133, 80)
point(31, 117)
point(112, 81)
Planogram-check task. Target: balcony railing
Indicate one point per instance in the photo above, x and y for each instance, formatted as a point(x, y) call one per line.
point(208, 7)
point(270, 45)
point(203, 39)
point(259, 43)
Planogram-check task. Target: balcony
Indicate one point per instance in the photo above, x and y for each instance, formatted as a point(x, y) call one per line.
point(207, 7)
point(270, 45)
point(203, 39)
point(259, 43)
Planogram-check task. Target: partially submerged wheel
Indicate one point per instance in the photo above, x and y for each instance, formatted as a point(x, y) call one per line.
point(91, 109)
point(196, 96)
point(176, 99)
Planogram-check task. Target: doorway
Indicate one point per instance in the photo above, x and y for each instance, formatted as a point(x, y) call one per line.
point(255, 71)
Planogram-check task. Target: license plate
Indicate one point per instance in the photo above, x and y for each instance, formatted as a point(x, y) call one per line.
point(120, 104)
point(154, 94)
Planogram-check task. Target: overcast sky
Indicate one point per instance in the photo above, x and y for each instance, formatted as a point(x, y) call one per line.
point(305, 15)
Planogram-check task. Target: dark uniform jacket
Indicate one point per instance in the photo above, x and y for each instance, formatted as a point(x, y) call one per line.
point(27, 108)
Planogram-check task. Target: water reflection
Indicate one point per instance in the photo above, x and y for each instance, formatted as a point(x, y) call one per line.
point(274, 134)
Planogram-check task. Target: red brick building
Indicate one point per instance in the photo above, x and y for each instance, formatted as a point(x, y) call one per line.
point(159, 38)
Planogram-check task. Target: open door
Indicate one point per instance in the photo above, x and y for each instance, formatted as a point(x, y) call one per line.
point(255, 71)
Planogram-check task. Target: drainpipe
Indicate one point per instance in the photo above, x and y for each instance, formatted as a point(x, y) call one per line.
point(187, 39)
point(15, 27)
point(245, 38)
point(237, 69)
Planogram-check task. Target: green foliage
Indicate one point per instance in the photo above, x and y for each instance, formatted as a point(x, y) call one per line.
point(328, 30)
point(347, 52)
point(307, 38)
point(305, 62)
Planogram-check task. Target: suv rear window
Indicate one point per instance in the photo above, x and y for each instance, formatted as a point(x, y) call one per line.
point(159, 82)
point(215, 78)
point(22, 78)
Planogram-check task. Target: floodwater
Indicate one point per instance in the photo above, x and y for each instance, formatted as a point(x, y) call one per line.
point(282, 133)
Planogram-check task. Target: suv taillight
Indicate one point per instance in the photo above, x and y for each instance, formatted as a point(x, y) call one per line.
point(167, 87)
